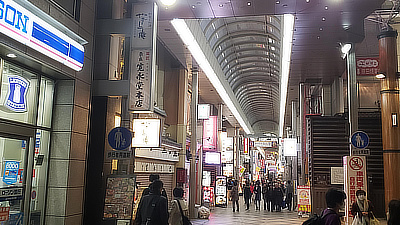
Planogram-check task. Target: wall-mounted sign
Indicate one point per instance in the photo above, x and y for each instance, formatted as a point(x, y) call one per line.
point(120, 138)
point(213, 158)
point(16, 97)
point(289, 147)
point(367, 66)
point(210, 133)
point(337, 175)
point(246, 145)
point(220, 191)
point(119, 199)
point(146, 133)
point(4, 213)
point(149, 167)
point(206, 178)
point(359, 139)
point(10, 174)
point(143, 57)
point(208, 194)
point(29, 28)
point(203, 111)
point(228, 170)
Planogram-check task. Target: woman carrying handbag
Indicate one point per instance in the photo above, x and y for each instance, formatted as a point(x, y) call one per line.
point(179, 209)
point(362, 210)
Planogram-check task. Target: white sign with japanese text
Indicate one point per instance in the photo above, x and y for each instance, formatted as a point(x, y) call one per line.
point(355, 177)
point(142, 71)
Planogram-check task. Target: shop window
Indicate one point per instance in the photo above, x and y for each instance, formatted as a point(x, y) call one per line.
point(72, 7)
point(18, 98)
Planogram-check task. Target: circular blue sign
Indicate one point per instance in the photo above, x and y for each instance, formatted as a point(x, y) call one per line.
point(359, 139)
point(120, 138)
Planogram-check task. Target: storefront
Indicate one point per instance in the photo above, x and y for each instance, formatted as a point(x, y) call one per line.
point(35, 52)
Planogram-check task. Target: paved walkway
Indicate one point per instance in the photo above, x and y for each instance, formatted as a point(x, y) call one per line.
point(225, 216)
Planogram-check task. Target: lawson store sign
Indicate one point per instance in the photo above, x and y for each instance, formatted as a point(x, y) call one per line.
point(27, 28)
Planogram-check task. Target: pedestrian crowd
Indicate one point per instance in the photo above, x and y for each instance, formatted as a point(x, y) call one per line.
point(274, 194)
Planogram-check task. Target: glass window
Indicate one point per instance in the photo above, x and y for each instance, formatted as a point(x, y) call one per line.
point(39, 178)
point(45, 109)
point(71, 6)
point(18, 97)
point(12, 160)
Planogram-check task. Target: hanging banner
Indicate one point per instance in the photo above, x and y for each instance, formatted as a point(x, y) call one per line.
point(210, 133)
point(367, 66)
point(355, 178)
point(246, 146)
point(304, 199)
point(143, 55)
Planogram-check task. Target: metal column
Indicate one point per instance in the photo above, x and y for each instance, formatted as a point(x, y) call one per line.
point(193, 143)
point(352, 96)
point(301, 156)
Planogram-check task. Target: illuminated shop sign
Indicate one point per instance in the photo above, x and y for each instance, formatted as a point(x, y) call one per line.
point(25, 27)
point(17, 89)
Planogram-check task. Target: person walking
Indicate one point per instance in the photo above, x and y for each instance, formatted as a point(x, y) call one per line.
point(289, 195)
point(153, 208)
point(278, 197)
point(265, 194)
point(247, 194)
point(270, 198)
point(362, 209)
point(257, 195)
point(335, 201)
point(235, 196)
point(175, 215)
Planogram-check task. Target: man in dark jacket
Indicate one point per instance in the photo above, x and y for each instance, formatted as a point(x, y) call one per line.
point(247, 194)
point(153, 208)
point(278, 197)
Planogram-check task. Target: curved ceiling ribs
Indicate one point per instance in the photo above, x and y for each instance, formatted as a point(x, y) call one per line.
point(248, 50)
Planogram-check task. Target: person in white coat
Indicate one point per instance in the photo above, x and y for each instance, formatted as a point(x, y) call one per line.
point(175, 216)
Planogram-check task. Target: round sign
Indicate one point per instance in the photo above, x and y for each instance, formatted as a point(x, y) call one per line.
point(120, 138)
point(359, 140)
point(356, 163)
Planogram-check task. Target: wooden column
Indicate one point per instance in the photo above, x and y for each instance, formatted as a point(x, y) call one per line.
point(390, 106)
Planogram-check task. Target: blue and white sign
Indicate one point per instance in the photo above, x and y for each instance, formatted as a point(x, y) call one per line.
point(17, 89)
point(27, 28)
point(120, 138)
point(359, 139)
point(10, 174)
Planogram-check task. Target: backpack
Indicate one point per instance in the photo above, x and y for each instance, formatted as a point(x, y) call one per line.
point(316, 219)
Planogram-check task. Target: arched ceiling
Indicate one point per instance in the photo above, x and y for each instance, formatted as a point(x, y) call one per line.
point(248, 51)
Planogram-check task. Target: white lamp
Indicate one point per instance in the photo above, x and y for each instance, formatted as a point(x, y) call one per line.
point(168, 2)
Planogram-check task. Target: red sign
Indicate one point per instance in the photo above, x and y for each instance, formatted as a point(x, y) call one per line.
point(367, 66)
point(4, 213)
point(246, 146)
point(208, 194)
point(210, 133)
point(180, 175)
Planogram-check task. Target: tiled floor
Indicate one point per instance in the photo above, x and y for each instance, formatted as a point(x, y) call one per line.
point(225, 216)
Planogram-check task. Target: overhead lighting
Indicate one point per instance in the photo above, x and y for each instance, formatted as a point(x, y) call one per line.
point(168, 2)
point(380, 76)
point(249, 3)
point(288, 26)
point(11, 55)
point(189, 40)
point(345, 48)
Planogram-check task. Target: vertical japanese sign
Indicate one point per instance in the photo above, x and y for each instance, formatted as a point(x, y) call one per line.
point(304, 199)
point(210, 133)
point(355, 177)
point(246, 146)
point(208, 194)
point(143, 53)
point(220, 191)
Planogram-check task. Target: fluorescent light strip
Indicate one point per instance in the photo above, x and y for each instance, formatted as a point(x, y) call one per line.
point(288, 25)
point(188, 39)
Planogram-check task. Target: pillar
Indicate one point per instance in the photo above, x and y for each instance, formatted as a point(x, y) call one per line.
point(389, 107)
point(193, 143)
point(352, 92)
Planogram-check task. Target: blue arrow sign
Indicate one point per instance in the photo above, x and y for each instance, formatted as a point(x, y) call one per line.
point(359, 139)
point(120, 138)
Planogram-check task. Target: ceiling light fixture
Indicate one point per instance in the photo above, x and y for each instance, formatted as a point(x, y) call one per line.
point(168, 2)
point(307, 1)
point(323, 18)
point(249, 3)
point(380, 76)
point(288, 27)
point(11, 55)
point(345, 48)
point(190, 41)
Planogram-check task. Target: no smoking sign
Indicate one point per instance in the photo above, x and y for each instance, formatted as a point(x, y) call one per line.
point(356, 163)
